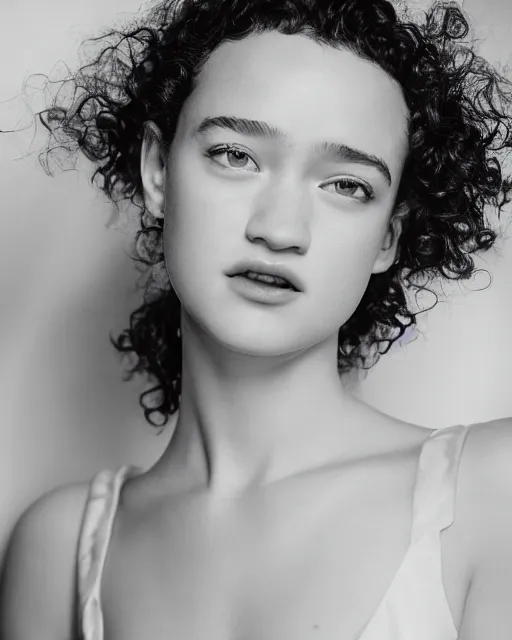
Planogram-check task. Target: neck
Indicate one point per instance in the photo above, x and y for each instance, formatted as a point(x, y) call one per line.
point(249, 420)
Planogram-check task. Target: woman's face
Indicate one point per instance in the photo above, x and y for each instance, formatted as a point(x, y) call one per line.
point(286, 188)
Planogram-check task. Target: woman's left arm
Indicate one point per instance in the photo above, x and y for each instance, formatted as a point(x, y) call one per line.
point(488, 608)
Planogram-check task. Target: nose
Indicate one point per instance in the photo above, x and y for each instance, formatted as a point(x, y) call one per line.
point(280, 217)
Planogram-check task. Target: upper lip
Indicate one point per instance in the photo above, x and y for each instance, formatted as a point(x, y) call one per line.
point(268, 268)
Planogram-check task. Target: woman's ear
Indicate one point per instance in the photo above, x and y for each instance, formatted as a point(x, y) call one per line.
point(152, 169)
point(388, 253)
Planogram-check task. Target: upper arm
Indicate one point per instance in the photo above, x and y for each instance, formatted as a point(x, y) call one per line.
point(488, 608)
point(37, 588)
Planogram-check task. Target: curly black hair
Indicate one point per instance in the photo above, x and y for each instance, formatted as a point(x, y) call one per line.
point(459, 109)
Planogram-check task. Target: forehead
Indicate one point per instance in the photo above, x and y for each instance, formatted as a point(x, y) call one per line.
point(313, 92)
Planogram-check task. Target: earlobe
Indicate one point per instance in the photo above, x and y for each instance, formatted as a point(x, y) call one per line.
point(152, 169)
point(387, 254)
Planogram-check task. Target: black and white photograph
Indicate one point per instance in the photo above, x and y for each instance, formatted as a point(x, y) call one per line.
point(255, 320)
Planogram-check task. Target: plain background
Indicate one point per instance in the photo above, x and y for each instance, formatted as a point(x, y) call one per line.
point(66, 282)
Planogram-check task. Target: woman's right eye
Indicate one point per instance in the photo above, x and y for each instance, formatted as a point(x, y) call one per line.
point(234, 158)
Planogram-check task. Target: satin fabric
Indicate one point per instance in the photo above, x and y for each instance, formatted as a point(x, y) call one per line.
point(414, 606)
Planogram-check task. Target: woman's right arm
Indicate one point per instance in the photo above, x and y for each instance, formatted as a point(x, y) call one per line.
point(38, 582)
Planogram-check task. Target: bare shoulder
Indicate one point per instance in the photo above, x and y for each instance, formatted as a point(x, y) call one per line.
point(484, 505)
point(493, 438)
point(484, 486)
point(37, 588)
point(485, 474)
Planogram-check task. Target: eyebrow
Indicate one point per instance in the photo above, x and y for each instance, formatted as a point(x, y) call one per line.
point(260, 129)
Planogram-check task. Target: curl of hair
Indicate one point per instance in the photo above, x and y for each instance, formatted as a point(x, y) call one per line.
point(458, 131)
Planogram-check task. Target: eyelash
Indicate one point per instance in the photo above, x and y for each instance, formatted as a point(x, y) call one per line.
point(218, 151)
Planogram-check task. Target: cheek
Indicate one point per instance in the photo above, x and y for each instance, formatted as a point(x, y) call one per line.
point(185, 240)
point(206, 214)
point(197, 232)
point(344, 266)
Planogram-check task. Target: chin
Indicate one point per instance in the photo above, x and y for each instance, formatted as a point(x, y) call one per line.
point(252, 338)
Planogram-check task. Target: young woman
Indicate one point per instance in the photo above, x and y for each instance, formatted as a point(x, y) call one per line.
point(299, 166)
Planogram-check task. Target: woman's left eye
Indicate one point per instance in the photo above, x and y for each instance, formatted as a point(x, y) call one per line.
point(233, 157)
point(348, 187)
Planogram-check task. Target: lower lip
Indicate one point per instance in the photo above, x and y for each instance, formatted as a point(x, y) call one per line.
point(261, 292)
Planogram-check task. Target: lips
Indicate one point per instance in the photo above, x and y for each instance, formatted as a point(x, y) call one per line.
point(274, 281)
point(254, 268)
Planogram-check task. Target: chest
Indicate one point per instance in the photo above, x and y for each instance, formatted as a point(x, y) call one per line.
point(311, 560)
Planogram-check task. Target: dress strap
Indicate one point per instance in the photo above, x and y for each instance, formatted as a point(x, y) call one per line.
point(96, 530)
point(436, 481)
